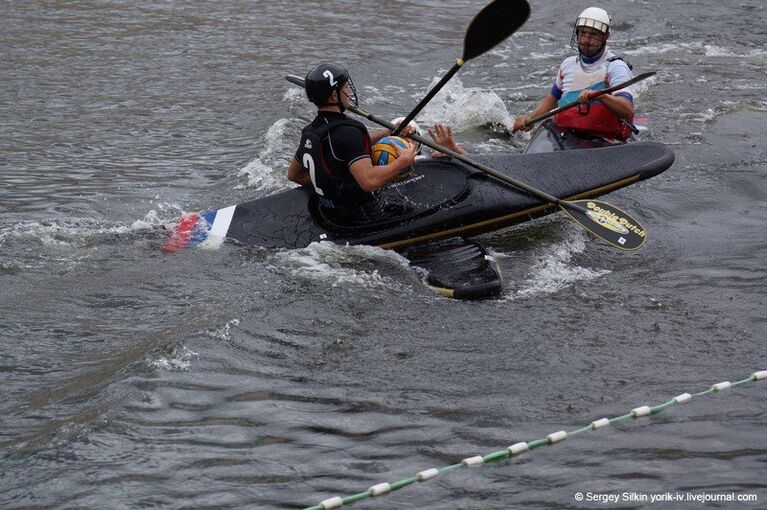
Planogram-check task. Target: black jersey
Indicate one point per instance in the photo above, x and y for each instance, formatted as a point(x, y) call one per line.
point(342, 141)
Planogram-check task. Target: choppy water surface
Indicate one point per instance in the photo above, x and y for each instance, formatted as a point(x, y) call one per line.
point(262, 378)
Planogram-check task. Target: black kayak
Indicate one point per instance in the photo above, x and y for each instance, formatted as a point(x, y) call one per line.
point(428, 215)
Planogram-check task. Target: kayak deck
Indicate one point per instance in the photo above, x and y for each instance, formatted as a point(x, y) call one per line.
point(444, 198)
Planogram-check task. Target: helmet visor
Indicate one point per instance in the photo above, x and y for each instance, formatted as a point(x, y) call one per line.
point(592, 23)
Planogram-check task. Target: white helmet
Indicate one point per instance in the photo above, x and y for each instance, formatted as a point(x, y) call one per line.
point(593, 17)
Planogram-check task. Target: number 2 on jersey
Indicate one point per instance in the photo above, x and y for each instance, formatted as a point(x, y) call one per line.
point(309, 163)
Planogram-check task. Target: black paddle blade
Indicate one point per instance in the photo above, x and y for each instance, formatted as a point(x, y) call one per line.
point(494, 23)
point(607, 222)
point(296, 80)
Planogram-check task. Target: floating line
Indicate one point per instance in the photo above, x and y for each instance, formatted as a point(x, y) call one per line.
point(519, 448)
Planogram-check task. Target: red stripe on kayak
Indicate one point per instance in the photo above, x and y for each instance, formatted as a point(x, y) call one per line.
point(182, 233)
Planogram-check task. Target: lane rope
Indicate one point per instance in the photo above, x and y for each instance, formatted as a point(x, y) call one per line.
point(521, 447)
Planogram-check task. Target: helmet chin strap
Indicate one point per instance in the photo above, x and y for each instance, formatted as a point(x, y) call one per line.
point(340, 102)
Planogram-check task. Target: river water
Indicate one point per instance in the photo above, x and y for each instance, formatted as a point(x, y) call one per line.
point(255, 378)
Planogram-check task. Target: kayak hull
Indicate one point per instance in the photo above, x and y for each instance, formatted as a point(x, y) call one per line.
point(442, 198)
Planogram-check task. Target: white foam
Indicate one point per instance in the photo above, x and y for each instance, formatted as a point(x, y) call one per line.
point(718, 51)
point(555, 271)
point(643, 86)
point(463, 108)
point(334, 265)
point(498, 146)
point(176, 359)
point(72, 232)
point(259, 175)
point(703, 117)
point(225, 333)
point(153, 218)
point(554, 55)
point(696, 47)
point(294, 96)
point(267, 170)
point(655, 49)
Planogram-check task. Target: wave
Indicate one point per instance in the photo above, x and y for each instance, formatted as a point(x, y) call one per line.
point(80, 232)
point(555, 269)
point(353, 267)
point(266, 172)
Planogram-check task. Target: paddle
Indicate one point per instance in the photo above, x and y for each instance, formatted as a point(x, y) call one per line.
point(598, 93)
point(494, 23)
point(605, 221)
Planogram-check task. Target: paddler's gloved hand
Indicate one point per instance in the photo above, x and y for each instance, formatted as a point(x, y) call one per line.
point(521, 123)
point(443, 135)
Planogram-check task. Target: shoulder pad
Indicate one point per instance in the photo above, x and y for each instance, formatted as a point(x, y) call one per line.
point(613, 59)
point(321, 131)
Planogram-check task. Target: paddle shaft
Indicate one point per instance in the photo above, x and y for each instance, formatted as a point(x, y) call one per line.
point(460, 157)
point(410, 116)
point(609, 90)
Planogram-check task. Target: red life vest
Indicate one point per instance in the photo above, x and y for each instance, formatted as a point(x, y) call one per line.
point(594, 119)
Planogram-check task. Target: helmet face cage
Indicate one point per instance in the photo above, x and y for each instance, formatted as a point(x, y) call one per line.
point(591, 23)
point(585, 20)
point(352, 93)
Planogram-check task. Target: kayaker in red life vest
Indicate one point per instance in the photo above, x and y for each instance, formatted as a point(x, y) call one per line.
point(594, 68)
point(334, 154)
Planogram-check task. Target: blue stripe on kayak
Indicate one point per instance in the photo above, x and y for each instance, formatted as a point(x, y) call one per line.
point(202, 228)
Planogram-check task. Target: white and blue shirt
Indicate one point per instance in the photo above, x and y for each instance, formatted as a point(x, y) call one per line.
point(577, 73)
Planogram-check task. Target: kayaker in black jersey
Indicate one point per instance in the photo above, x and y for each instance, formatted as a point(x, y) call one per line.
point(579, 77)
point(334, 154)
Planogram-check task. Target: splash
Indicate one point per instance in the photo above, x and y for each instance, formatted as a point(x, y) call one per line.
point(266, 171)
point(74, 232)
point(295, 97)
point(555, 270)
point(260, 176)
point(464, 108)
point(643, 86)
